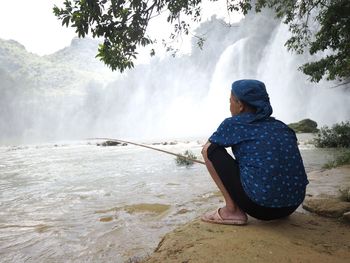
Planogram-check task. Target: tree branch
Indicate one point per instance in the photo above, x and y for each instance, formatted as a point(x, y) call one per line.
point(341, 84)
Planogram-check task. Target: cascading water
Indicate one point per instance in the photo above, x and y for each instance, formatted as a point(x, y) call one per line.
point(230, 66)
point(292, 95)
point(185, 96)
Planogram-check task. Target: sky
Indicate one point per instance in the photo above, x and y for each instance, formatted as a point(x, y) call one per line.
point(33, 24)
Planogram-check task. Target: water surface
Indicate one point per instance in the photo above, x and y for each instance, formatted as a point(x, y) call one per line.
point(78, 202)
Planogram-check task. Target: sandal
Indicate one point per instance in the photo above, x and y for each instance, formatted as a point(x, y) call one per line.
point(215, 217)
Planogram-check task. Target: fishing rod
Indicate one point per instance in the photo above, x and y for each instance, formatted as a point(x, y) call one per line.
point(149, 147)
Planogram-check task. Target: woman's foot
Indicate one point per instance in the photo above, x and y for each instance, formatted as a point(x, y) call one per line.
point(226, 216)
point(237, 213)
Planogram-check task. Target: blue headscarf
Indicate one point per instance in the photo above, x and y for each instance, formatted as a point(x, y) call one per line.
point(253, 92)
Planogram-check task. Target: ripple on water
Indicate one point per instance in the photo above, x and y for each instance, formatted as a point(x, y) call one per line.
point(146, 208)
point(153, 208)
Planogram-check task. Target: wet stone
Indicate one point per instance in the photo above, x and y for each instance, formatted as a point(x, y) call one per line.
point(346, 216)
point(330, 207)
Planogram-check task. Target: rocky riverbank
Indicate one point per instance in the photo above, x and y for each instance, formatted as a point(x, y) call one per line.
point(303, 237)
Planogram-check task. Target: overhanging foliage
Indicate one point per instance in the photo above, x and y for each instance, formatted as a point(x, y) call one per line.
point(316, 26)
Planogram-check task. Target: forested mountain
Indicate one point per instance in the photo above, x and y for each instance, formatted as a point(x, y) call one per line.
point(35, 91)
point(66, 69)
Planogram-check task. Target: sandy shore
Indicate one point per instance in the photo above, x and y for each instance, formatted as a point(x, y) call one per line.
point(303, 237)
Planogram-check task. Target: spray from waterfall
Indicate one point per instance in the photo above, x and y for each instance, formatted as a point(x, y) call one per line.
point(186, 96)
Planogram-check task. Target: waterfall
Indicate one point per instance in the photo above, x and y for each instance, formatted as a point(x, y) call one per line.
point(186, 96)
point(293, 97)
point(230, 66)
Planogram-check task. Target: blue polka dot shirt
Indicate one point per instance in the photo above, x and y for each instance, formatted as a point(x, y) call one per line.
point(271, 168)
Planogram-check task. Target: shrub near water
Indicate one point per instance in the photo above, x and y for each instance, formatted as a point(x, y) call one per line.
point(185, 161)
point(338, 136)
point(342, 159)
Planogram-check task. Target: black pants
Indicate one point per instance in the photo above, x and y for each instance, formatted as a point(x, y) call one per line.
point(228, 171)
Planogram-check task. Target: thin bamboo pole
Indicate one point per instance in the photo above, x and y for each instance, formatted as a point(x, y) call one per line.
point(149, 147)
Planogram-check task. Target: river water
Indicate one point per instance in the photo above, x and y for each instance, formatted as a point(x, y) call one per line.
point(79, 202)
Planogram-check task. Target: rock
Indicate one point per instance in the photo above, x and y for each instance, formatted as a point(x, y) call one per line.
point(165, 143)
point(304, 126)
point(330, 207)
point(111, 143)
point(346, 216)
point(345, 194)
point(106, 219)
point(300, 238)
